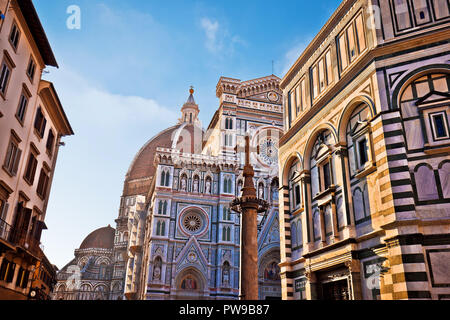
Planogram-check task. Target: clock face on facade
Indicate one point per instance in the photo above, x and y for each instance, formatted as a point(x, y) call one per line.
point(268, 151)
point(272, 96)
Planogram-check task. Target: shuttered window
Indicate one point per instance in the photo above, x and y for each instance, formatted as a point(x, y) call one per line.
point(12, 159)
point(40, 123)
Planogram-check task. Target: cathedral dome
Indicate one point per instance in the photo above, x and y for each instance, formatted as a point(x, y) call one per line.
point(186, 136)
point(102, 238)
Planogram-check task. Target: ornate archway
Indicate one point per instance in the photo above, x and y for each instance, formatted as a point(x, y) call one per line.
point(269, 275)
point(190, 284)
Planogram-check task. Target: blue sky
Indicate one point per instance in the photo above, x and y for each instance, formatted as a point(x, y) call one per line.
point(125, 74)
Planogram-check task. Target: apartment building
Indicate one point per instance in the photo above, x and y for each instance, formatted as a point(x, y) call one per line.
point(32, 123)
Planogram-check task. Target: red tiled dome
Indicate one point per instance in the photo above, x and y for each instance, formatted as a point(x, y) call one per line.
point(102, 238)
point(142, 169)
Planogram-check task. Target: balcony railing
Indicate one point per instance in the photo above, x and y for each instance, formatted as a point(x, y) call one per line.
point(5, 230)
point(20, 238)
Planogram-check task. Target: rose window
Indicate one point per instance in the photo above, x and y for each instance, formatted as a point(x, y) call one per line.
point(192, 222)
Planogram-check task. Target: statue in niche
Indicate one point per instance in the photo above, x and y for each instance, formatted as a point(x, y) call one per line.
point(275, 191)
point(239, 190)
point(183, 183)
point(157, 269)
point(175, 184)
point(261, 191)
point(208, 186)
point(196, 181)
point(226, 274)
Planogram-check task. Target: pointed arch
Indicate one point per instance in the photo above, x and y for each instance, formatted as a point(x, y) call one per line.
point(165, 208)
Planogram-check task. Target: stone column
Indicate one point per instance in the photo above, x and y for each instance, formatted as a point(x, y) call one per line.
point(323, 234)
point(354, 270)
point(249, 253)
point(342, 174)
point(307, 223)
point(249, 206)
point(311, 286)
point(334, 220)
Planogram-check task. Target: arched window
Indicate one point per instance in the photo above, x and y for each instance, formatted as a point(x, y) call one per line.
point(322, 173)
point(158, 228)
point(227, 185)
point(358, 140)
point(295, 193)
point(167, 178)
point(226, 214)
point(228, 124)
point(160, 207)
point(163, 178)
point(125, 236)
point(164, 208)
point(226, 234)
point(163, 228)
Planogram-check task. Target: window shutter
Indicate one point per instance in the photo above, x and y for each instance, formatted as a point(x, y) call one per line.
point(37, 121)
point(33, 173)
point(10, 275)
point(16, 161)
point(4, 211)
point(9, 156)
point(50, 141)
point(43, 128)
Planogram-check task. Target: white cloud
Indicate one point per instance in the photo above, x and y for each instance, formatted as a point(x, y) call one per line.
point(211, 28)
point(109, 129)
point(105, 109)
point(219, 40)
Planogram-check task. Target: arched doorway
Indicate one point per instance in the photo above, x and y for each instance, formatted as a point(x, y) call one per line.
point(269, 276)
